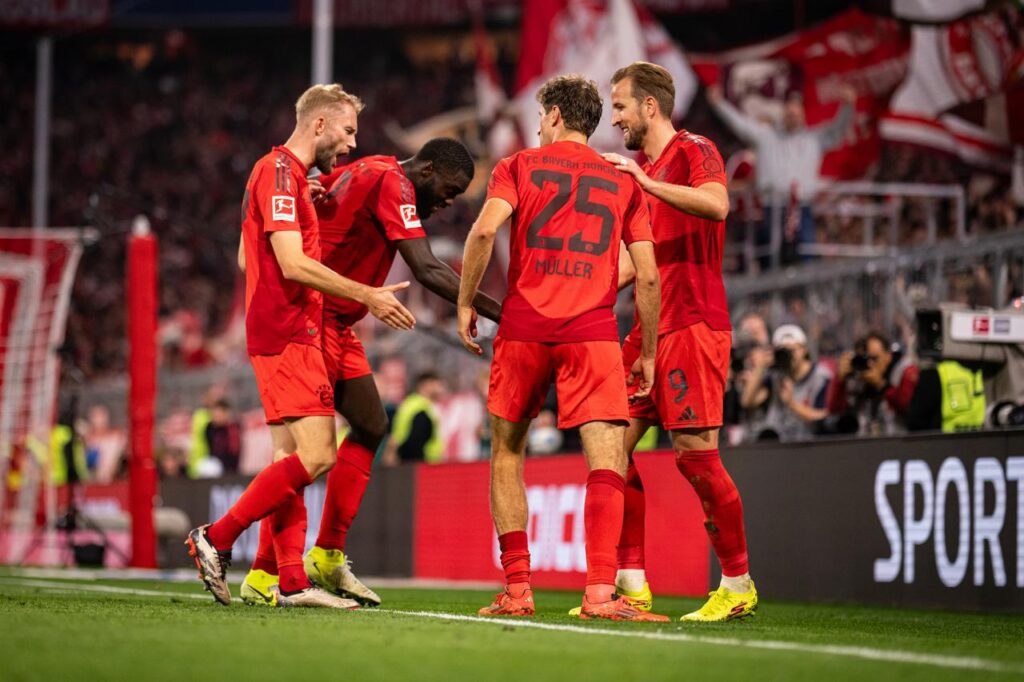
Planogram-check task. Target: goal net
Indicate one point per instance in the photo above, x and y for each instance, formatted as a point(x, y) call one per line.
point(37, 269)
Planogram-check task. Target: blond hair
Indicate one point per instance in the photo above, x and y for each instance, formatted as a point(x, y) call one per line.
point(319, 96)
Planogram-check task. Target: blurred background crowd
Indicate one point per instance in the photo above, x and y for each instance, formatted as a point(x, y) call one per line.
point(824, 279)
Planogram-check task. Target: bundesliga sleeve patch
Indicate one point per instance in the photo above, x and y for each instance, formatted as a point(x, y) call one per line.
point(410, 218)
point(283, 208)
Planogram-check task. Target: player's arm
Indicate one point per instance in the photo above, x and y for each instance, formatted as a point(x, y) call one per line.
point(648, 306)
point(477, 254)
point(709, 200)
point(627, 273)
point(241, 253)
point(297, 267)
point(441, 279)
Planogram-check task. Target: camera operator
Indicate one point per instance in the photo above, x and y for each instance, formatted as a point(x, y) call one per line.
point(751, 336)
point(793, 387)
point(873, 387)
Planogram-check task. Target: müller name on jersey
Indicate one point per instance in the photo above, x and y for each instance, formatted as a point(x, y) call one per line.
point(563, 267)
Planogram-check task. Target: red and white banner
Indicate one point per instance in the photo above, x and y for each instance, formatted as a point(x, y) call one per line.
point(867, 52)
point(594, 39)
point(454, 537)
point(951, 65)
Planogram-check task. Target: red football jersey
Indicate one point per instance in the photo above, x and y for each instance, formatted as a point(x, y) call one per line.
point(369, 206)
point(688, 248)
point(278, 311)
point(571, 211)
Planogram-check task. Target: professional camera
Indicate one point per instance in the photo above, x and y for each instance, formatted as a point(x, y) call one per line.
point(859, 363)
point(783, 361)
point(1005, 413)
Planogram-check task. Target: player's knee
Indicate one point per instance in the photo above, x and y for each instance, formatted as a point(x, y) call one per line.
point(370, 433)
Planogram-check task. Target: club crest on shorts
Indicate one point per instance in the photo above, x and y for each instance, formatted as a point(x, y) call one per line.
point(410, 218)
point(283, 208)
point(326, 395)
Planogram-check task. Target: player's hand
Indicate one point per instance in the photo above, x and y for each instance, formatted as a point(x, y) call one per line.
point(385, 307)
point(467, 329)
point(627, 165)
point(641, 374)
point(316, 189)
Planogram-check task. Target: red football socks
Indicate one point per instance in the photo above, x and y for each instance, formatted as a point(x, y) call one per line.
point(723, 510)
point(515, 558)
point(288, 525)
point(346, 485)
point(631, 541)
point(602, 522)
point(271, 488)
point(266, 558)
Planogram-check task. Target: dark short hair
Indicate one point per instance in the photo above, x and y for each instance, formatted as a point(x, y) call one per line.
point(448, 156)
point(576, 98)
point(650, 80)
point(424, 377)
point(877, 336)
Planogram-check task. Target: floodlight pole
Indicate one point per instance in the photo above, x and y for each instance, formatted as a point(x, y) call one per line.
point(41, 161)
point(323, 41)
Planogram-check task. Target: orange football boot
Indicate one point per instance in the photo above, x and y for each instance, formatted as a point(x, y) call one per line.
point(507, 605)
point(619, 608)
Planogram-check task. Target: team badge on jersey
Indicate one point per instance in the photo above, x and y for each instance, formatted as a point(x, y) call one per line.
point(410, 218)
point(283, 208)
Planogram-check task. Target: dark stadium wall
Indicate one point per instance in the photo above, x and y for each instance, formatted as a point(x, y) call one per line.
point(928, 522)
point(380, 539)
point(932, 522)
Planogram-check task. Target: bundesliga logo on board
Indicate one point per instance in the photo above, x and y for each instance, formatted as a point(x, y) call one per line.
point(284, 208)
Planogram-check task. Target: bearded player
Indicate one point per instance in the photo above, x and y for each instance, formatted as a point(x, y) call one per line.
point(570, 211)
point(369, 211)
point(285, 281)
point(684, 177)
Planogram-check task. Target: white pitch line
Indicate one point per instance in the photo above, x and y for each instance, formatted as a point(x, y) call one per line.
point(886, 655)
point(109, 589)
point(867, 653)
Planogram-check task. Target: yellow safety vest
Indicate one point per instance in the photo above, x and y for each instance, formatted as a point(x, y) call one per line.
point(402, 426)
point(200, 449)
point(963, 397)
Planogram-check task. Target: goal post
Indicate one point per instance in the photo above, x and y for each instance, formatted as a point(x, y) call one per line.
point(37, 270)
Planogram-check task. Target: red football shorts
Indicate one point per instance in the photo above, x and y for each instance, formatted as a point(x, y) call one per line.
point(344, 354)
point(587, 376)
point(293, 383)
point(689, 377)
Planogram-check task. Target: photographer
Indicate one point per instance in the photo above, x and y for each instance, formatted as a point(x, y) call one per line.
point(793, 387)
point(750, 337)
point(873, 387)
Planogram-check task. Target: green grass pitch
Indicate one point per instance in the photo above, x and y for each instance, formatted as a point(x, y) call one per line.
point(56, 629)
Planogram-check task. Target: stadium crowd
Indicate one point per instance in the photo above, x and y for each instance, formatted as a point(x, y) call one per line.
point(163, 125)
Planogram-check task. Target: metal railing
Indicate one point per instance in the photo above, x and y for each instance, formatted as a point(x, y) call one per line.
point(838, 301)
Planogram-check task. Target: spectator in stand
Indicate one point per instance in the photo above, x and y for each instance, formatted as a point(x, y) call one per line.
point(416, 428)
point(791, 385)
point(788, 163)
point(874, 385)
point(223, 436)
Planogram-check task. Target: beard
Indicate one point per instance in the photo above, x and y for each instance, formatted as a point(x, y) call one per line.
point(635, 137)
point(324, 160)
